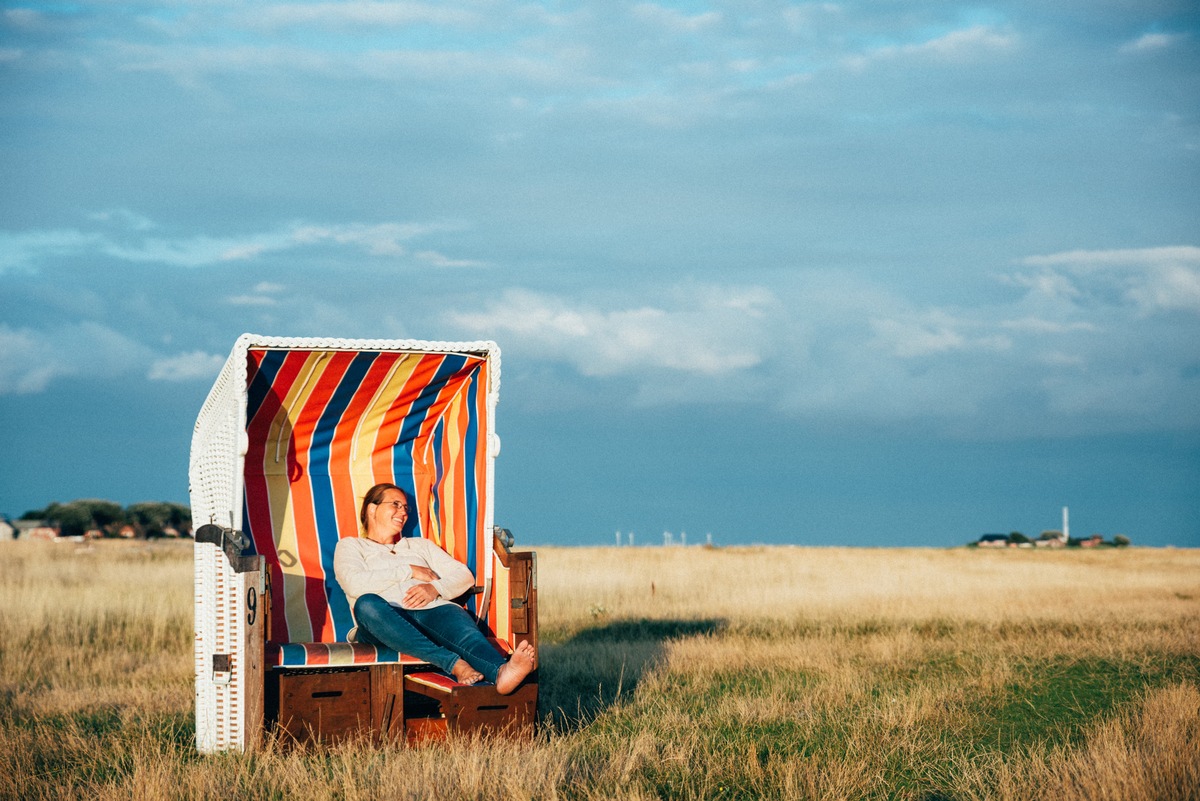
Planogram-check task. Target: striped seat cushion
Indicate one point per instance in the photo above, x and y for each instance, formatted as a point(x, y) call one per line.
point(333, 654)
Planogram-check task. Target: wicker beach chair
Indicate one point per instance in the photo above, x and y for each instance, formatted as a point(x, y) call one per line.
point(291, 436)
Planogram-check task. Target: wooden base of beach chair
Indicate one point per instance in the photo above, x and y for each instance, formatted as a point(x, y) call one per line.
point(470, 709)
point(334, 704)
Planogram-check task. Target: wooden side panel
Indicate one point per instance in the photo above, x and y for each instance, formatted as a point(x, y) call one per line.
point(523, 596)
point(254, 647)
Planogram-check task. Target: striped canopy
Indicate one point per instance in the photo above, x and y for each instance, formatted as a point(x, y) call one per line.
point(325, 425)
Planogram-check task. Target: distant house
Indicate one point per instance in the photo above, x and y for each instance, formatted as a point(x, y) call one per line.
point(7, 532)
point(1051, 539)
point(37, 529)
point(993, 541)
point(1092, 541)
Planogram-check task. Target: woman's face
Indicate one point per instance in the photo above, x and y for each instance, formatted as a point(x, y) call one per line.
point(386, 519)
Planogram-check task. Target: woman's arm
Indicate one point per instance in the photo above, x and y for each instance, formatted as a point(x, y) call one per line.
point(455, 578)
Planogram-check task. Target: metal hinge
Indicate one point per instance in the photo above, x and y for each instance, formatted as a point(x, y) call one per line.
point(222, 668)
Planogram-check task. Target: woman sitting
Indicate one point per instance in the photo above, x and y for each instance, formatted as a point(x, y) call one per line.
point(400, 590)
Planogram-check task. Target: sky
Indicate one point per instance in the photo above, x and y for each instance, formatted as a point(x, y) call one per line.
point(844, 273)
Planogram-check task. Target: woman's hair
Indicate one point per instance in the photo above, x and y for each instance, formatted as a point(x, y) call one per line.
point(375, 495)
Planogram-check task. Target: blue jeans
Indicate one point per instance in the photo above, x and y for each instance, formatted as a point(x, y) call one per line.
point(440, 635)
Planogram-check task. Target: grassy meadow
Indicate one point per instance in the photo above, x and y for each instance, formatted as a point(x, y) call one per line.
point(780, 672)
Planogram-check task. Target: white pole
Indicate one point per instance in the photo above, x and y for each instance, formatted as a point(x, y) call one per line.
point(1066, 524)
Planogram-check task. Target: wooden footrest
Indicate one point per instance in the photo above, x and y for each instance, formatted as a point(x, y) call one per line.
point(472, 708)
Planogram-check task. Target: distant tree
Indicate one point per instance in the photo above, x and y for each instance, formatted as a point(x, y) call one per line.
point(1018, 538)
point(1121, 541)
point(80, 516)
point(149, 516)
point(77, 517)
point(155, 517)
point(73, 519)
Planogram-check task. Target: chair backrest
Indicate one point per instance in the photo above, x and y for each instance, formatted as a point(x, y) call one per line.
point(323, 421)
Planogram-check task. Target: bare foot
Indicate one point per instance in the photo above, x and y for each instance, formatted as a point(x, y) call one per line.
point(519, 665)
point(465, 674)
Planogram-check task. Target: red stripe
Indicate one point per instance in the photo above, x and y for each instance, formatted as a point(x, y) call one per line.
point(258, 506)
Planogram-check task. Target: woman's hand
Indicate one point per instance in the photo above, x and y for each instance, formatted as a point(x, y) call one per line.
point(422, 573)
point(419, 596)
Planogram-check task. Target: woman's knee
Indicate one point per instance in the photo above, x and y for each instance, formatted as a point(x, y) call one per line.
point(370, 608)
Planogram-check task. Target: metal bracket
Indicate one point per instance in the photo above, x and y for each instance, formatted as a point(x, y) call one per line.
point(504, 535)
point(232, 542)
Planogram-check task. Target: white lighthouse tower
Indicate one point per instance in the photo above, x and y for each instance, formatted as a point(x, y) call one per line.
point(1066, 529)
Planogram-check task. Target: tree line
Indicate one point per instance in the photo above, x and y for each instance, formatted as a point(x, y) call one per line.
point(148, 519)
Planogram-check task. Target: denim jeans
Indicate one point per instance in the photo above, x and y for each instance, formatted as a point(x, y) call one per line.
point(440, 635)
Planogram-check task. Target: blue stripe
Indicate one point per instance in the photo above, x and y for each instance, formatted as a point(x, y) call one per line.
point(470, 487)
point(322, 485)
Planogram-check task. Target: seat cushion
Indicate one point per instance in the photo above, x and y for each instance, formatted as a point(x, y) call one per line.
point(332, 654)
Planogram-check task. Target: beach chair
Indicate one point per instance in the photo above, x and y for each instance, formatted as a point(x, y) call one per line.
point(291, 436)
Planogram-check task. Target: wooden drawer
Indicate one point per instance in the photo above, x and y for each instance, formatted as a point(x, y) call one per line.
point(323, 705)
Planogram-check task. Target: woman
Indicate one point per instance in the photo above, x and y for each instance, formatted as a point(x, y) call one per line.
point(400, 591)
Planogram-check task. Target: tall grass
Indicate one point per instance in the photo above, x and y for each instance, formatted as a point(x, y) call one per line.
point(668, 673)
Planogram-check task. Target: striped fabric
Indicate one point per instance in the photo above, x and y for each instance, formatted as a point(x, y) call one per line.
point(333, 654)
point(323, 426)
point(434, 681)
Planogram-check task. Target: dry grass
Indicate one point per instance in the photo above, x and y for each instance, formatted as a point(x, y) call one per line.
point(730, 673)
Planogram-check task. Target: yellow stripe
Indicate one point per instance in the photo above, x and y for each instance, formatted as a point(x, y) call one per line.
point(366, 431)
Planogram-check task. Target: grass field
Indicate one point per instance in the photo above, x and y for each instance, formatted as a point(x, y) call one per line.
point(676, 673)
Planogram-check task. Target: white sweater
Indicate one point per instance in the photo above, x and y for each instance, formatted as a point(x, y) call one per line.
point(364, 566)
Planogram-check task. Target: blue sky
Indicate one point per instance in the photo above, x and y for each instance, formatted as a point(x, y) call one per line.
point(822, 273)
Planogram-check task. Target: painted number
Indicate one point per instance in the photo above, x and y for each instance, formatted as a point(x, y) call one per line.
point(251, 606)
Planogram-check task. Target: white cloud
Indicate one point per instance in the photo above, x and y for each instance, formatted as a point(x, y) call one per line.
point(1152, 280)
point(674, 20)
point(958, 46)
point(1036, 325)
point(250, 300)
point(1082, 259)
point(25, 249)
point(707, 336)
point(26, 361)
point(1152, 42)
point(435, 259)
point(186, 367)
point(384, 240)
point(930, 333)
point(356, 14)
point(31, 359)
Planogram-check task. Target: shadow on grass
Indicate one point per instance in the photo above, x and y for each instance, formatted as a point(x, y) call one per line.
point(590, 671)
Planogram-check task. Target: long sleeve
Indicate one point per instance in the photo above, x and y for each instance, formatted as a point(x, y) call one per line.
point(357, 575)
point(455, 578)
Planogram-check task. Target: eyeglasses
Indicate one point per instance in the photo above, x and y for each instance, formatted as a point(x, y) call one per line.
point(397, 506)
